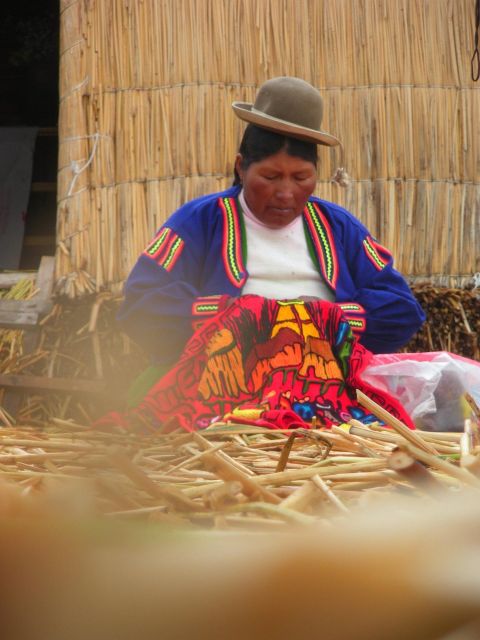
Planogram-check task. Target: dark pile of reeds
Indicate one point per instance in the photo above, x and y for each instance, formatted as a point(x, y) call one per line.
point(453, 321)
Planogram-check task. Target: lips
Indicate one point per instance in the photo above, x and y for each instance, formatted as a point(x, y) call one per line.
point(280, 210)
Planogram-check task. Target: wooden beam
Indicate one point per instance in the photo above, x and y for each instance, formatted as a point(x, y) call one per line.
point(45, 276)
point(20, 319)
point(42, 383)
point(18, 306)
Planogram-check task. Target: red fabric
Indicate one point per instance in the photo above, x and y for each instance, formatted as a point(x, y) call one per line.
point(291, 361)
point(269, 418)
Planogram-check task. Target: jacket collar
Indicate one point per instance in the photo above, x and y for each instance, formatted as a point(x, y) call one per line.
point(319, 234)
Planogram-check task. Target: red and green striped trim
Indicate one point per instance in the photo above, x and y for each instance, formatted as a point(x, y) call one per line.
point(206, 305)
point(156, 245)
point(165, 248)
point(374, 253)
point(203, 308)
point(232, 243)
point(353, 313)
point(172, 253)
point(322, 238)
point(357, 325)
point(351, 307)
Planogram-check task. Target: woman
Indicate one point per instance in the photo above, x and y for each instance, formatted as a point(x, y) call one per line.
point(269, 237)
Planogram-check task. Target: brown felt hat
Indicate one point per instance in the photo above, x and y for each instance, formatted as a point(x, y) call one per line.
point(290, 106)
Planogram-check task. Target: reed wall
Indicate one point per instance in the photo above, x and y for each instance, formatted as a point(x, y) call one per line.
point(146, 123)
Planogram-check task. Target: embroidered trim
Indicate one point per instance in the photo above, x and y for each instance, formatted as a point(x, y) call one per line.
point(352, 307)
point(206, 306)
point(357, 325)
point(373, 251)
point(165, 248)
point(205, 309)
point(154, 248)
point(232, 243)
point(172, 253)
point(352, 312)
point(323, 240)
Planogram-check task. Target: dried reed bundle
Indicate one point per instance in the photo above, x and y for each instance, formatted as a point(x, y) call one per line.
point(146, 123)
point(225, 475)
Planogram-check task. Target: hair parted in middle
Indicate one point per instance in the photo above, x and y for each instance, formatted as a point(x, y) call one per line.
point(258, 143)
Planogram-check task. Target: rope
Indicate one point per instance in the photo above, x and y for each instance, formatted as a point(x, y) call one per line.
point(476, 55)
point(75, 166)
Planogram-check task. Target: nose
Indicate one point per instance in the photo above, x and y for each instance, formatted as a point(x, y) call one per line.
point(285, 190)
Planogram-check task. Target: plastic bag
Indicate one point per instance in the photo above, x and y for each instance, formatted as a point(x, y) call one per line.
point(429, 385)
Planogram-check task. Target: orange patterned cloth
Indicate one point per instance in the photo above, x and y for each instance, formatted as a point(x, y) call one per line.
point(267, 362)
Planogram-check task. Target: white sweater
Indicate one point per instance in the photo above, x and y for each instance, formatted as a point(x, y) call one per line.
point(279, 262)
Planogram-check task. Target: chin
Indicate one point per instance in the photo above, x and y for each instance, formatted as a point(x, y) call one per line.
point(279, 221)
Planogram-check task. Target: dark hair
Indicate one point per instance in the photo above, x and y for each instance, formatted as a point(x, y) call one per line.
point(258, 143)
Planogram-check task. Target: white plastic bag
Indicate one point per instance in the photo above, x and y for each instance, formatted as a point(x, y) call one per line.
point(429, 385)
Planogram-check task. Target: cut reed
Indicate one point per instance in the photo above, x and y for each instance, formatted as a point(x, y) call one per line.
point(193, 479)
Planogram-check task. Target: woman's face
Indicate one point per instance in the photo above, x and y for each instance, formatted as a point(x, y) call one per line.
point(277, 188)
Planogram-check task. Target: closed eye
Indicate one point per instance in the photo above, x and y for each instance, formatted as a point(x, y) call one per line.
point(302, 177)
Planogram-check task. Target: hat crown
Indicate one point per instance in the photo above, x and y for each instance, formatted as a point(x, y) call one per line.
point(289, 106)
point(292, 100)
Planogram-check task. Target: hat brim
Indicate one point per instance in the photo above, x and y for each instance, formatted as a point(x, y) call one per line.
point(245, 111)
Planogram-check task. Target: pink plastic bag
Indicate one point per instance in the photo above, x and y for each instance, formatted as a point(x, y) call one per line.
point(429, 385)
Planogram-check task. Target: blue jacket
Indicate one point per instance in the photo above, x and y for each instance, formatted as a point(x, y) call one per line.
point(198, 257)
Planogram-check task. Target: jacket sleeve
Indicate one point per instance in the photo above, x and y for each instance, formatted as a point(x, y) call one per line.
point(162, 304)
point(383, 313)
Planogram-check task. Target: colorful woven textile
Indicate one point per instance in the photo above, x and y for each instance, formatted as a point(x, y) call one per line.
point(267, 362)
